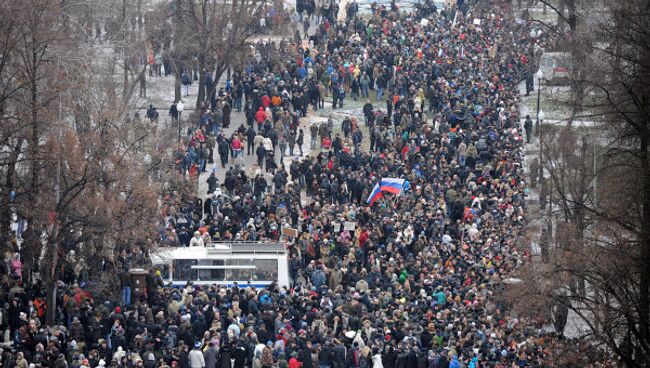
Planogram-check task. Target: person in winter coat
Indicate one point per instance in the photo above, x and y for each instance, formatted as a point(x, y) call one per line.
point(77, 331)
point(199, 325)
point(173, 112)
point(224, 150)
point(236, 147)
point(225, 356)
point(376, 360)
point(260, 117)
point(240, 355)
point(325, 356)
point(197, 240)
point(300, 140)
point(454, 363)
point(389, 358)
point(226, 114)
point(117, 339)
point(267, 355)
point(313, 133)
point(291, 141)
point(260, 152)
point(318, 278)
point(250, 140)
point(294, 362)
point(196, 357)
point(21, 362)
point(305, 357)
point(186, 80)
point(16, 267)
point(339, 353)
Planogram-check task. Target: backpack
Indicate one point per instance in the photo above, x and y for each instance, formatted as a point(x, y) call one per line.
point(150, 363)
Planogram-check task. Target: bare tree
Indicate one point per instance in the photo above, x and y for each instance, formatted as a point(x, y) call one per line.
point(600, 180)
point(216, 32)
point(72, 162)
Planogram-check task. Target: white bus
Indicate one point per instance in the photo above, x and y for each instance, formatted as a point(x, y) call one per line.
point(255, 264)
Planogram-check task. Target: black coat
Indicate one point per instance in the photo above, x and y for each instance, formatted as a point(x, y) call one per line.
point(305, 358)
point(239, 354)
point(223, 147)
point(340, 355)
point(326, 356)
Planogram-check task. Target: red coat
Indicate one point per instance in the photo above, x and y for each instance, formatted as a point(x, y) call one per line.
point(266, 101)
point(260, 116)
point(294, 363)
point(327, 143)
point(236, 144)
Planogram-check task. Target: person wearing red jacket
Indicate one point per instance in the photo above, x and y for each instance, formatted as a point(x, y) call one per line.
point(266, 101)
point(294, 362)
point(236, 147)
point(260, 116)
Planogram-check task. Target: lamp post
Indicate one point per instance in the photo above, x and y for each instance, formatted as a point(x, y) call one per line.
point(539, 75)
point(540, 117)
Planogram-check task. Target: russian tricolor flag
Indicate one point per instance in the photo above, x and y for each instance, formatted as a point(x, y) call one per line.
point(375, 195)
point(392, 185)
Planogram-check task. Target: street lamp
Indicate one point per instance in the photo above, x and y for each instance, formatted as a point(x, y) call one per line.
point(540, 117)
point(539, 75)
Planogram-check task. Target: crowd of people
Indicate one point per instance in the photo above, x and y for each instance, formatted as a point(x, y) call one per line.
point(417, 282)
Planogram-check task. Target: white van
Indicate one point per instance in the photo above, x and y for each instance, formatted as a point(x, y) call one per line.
point(555, 67)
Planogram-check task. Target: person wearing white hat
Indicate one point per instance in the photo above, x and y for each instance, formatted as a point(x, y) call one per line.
point(197, 240)
point(196, 356)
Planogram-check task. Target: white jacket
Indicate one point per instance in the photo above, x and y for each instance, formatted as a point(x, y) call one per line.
point(376, 361)
point(196, 242)
point(196, 359)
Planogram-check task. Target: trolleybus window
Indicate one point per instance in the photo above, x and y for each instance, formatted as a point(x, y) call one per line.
point(243, 274)
point(211, 274)
point(265, 269)
point(183, 269)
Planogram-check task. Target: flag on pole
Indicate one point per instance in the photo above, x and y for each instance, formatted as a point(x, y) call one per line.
point(375, 195)
point(392, 185)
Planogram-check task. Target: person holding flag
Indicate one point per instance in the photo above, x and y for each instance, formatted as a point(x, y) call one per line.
point(375, 195)
point(392, 185)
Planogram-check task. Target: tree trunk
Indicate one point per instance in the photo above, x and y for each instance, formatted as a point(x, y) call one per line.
point(200, 97)
point(143, 85)
point(34, 143)
point(218, 72)
point(49, 280)
point(204, 44)
point(5, 213)
point(125, 76)
point(578, 53)
point(644, 292)
point(173, 55)
point(177, 85)
point(139, 23)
